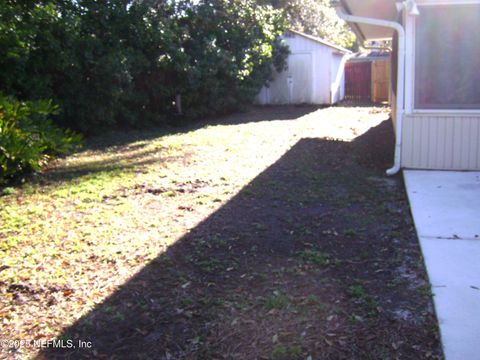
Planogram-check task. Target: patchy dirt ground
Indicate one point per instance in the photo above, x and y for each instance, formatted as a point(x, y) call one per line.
point(271, 234)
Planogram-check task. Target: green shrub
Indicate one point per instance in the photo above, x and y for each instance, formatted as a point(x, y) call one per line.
point(28, 138)
point(125, 62)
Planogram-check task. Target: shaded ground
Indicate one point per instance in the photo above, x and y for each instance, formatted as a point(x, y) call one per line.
point(252, 240)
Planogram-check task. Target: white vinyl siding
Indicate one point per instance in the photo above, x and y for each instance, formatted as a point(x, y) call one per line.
point(441, 141)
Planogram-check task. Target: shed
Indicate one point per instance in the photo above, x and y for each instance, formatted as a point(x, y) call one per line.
point(314, 75)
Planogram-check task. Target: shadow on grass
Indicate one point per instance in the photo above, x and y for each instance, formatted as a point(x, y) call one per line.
point(134, 161)
point(375, 148)
point(303, 261)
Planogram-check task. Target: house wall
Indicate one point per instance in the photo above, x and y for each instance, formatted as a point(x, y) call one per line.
point(436, 139)
point(393, 79)
point(314, 75)
point(441, 141)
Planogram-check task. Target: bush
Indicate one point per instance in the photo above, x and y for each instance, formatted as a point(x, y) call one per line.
point(28, 137)
point(126, 62)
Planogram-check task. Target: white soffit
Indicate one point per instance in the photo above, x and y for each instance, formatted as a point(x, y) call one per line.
point(378, 9)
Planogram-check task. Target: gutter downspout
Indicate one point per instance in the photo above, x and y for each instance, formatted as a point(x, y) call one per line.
point(400, 77)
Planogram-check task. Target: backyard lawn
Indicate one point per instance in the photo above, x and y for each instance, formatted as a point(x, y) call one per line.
point(269, 234)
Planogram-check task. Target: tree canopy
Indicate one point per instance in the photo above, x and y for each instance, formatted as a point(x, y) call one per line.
point(317, 17)
point(126, 62)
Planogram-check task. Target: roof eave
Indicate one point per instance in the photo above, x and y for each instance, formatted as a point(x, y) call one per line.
point(364, 32)
point(321, 41)
point(355, 28)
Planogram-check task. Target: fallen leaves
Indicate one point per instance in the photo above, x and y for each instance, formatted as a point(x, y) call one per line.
point(102, 218)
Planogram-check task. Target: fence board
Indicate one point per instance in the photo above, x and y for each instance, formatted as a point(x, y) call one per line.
point(380, 80)
point(358, 81)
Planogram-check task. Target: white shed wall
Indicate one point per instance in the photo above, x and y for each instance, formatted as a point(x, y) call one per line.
point(338, 77)
point(314, 75)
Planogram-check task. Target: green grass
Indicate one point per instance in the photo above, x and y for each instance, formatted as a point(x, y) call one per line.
point(277, 300)
point(9, 191)
point(314, 257)
point(426, 291)
point(360, 295)
point(210, 265)
point(281, 352)
point(358, 292)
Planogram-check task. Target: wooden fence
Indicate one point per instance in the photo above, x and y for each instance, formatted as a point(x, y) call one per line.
point(380, 80)
point(358, 81)
point(367, 81)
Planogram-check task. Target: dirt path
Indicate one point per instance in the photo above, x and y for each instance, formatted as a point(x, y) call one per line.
point(271, 234)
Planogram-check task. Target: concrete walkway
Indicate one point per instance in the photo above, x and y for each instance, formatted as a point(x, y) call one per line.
point(446, 210)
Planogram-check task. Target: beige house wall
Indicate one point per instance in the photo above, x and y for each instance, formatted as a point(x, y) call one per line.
point(441, 141)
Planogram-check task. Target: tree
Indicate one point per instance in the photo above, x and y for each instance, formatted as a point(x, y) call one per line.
point(231, 46)
point(125, 62)
point(317, 17)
